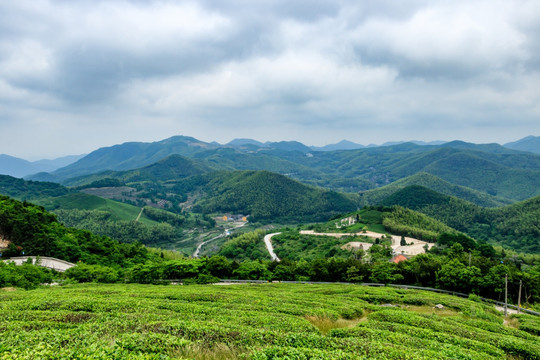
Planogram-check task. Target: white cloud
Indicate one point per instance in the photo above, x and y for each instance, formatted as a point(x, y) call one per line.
point(140, 70)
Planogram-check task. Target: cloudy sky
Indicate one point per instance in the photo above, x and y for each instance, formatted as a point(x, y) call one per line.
point(78, 75)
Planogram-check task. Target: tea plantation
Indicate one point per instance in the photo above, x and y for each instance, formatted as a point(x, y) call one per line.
point(256, 321)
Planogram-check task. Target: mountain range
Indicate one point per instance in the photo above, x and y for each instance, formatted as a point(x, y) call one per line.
point(459, 182)
point(509, 175)
point(16, 167)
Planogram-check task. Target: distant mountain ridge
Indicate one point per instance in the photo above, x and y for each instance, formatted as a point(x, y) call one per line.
point(529, 143)
point(494, 170)
point(19, 168)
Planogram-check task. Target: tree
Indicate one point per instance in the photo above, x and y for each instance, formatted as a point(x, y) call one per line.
point(385, 272)
point(456, 276)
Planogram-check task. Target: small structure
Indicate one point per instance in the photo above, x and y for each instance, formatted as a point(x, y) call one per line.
point(237, 217)
point(399, 258)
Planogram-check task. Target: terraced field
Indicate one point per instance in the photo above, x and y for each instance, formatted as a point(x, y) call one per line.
point(263, 321)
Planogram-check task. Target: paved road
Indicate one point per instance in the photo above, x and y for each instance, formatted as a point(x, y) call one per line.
point(44, 261)
point(268, 242)
point(198, 250)
point(225, 233)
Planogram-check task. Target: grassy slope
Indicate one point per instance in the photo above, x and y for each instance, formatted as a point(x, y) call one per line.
point(81, 201)
point(269, 321)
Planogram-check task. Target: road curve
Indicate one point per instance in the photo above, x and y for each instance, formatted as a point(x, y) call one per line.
point(198, 250)
point(225, 233)
point(268, 243)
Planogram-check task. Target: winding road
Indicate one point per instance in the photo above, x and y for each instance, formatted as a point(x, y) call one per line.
point(268, 243)
point(225, 233)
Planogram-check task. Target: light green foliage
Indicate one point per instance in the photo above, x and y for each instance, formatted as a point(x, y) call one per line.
point(88, 273)
point(295, 246)
point(245, 246)
point(403, 221)
point(26, 276)
point(268, 321)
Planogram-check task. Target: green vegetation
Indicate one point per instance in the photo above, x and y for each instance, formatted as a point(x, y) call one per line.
point(248, 246)
point(173, 167)
point(81, 201)
point(270, 196)
point(294, 246)
point(269, 321)
point(376, 196)
point(34, 231)
point(513, 226)
point(29, 190)
point(26, 276)
point(402, 221)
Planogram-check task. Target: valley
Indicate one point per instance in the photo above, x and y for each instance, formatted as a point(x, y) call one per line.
point(453, 217)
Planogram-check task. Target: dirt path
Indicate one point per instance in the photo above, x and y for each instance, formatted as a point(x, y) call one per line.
point(268, 243)
point(139, 216)
point(510, 311)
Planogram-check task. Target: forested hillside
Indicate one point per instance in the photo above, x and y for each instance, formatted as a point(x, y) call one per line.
point(34, 231)
point(514, 226)
point(266, 195)
point(170, 168)
point(375, 196)
point(29, 190)
point(497, 174)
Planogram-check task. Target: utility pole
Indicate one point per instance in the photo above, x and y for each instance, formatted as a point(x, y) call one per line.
point(506, 295)
point(519, 295)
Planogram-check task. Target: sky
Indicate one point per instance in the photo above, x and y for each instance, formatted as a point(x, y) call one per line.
point(79, 75)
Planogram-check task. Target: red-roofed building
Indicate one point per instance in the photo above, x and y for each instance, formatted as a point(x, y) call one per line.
point(398, 258)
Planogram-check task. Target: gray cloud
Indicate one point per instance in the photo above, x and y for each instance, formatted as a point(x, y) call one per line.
point(316, 71)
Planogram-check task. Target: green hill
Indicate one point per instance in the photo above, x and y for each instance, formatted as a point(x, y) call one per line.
point(81, 201)
point(29, 190)
point(123, 222)
point(514, 226)
point(170, 168)
point(30, 228)
point(375, 196)
point(131, 155)
point(487, 176)
point(266, 195)
point(489, 169)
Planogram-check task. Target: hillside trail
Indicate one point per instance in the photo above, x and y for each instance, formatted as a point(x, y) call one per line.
point(269, 247)
point(224, 233)
point(139, 216)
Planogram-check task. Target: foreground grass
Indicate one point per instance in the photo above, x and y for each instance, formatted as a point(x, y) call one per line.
point(268, 321)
